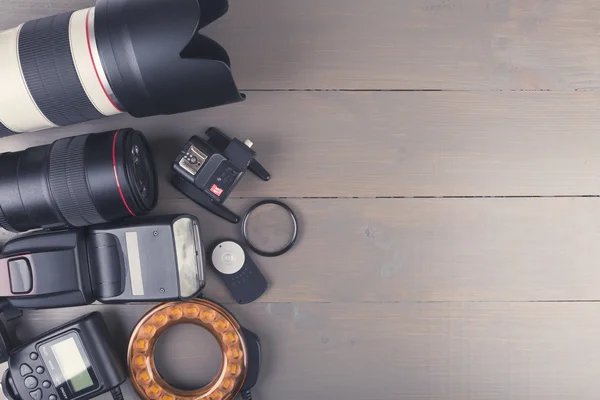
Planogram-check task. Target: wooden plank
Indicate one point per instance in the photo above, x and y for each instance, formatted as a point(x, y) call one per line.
point(390, 44)
point(392, 144)
point(374, 250)
point(387, 351)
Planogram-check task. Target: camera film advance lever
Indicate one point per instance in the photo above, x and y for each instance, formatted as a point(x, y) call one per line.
point(72, 362)
point(207, 170)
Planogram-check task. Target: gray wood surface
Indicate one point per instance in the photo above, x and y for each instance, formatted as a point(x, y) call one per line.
point(324, 144)
point(449, 239)
point(391, 44)
point(387, 351)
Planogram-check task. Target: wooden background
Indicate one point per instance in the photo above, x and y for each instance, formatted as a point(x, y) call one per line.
point(443, 156)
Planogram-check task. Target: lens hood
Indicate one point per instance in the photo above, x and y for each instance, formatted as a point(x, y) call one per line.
point(155, 59)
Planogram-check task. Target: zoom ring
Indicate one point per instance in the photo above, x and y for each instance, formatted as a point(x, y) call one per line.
point(50, 73)
point(68, 182)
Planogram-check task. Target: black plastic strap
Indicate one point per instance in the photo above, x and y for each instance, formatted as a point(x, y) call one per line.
point(68, 182)
point(48, 68)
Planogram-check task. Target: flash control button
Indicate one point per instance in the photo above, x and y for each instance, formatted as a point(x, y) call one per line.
point(36, 394)
point(30, 382)
point(25, 370)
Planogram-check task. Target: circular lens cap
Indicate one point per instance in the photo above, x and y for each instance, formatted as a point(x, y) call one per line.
point(270, 228)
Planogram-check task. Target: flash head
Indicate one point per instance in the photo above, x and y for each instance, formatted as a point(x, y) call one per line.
point(75, 361)
point(149, 259)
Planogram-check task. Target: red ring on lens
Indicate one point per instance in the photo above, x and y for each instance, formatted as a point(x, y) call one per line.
point(114, 161)
point(89, 43)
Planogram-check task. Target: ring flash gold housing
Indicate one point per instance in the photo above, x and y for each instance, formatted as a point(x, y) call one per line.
point(240, 348)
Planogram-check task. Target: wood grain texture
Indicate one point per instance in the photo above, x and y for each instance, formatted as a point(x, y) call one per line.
point(373, 250)
point(387, 296)
point(390, 44)
point(389, 351)
point(430, 250)
point(392, 144)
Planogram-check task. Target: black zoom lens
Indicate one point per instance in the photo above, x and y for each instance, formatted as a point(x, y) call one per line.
point(78, 181)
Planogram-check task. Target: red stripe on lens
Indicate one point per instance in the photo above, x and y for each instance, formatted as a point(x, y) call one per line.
point(87, 35)
point(114, 160)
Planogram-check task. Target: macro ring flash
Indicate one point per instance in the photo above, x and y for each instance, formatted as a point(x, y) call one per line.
point(240, 348)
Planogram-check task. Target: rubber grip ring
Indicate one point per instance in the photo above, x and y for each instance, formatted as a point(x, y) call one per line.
point(270, 253)
point(50, 74)
point(68, 182)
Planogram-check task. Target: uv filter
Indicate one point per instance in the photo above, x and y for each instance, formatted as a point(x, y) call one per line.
point(270, 228)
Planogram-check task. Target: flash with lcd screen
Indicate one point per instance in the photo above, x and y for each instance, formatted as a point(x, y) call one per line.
point(72, 362)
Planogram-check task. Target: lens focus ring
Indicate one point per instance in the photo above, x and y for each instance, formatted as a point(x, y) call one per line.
point(51, 76)
point(68, 182)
